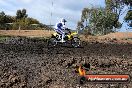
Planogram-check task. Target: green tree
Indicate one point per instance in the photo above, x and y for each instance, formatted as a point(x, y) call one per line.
point(105, 20)
point(128, 18)
point(129, 15)
point(117, 6)
point(85, 16)
point(21, 20)
point(2, 20)
point(99, 20)
point(79, 25)
point(2, 17)
point(127, 2)
point(32, 21)
point(21, 14)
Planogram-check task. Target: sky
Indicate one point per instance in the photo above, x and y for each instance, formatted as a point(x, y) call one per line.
point(42, 9)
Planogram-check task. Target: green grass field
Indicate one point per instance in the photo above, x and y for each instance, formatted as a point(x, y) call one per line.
point(3, 37)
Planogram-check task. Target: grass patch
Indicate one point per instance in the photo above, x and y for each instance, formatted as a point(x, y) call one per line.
point(130, 39)
point(3, 38)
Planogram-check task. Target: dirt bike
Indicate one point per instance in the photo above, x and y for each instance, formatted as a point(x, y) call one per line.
point(70, 38)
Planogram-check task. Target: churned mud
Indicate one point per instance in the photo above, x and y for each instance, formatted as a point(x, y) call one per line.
point(30, 63)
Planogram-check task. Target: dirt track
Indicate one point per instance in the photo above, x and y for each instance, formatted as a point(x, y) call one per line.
point(27, 33)
point(27, 63)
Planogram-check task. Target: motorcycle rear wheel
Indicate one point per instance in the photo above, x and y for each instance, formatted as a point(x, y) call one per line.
point(52, 42)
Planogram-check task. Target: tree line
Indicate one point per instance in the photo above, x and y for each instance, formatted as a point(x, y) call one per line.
point(104, 20)
point(21, 21)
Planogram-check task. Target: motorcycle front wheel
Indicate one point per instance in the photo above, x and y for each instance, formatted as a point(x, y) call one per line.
point(76, 42)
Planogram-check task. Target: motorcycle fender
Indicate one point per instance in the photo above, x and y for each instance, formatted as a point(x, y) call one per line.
point(69, 36)
point(54, 34)
point(74, 33)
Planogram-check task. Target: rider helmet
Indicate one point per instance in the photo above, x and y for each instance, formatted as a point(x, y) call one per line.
point(63, 21)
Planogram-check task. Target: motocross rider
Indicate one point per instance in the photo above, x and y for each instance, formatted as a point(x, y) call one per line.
point(60, 27)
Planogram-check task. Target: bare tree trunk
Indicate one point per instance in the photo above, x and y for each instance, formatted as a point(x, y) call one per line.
point(19, 27)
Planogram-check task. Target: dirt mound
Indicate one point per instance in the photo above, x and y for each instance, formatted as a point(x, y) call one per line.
point(26, 63)
point(119, 35)
point(27, 33)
